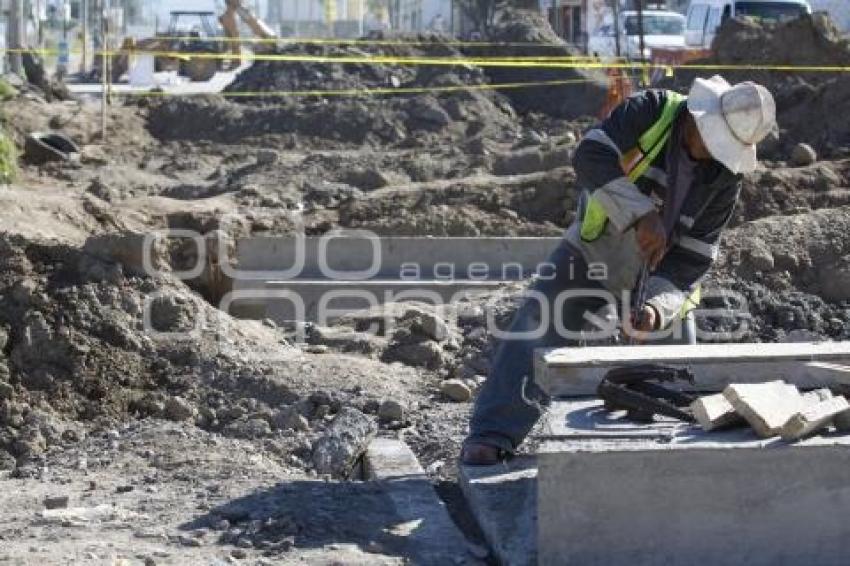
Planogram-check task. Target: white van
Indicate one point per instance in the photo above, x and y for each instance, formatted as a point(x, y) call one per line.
point(660, 29)
point(705, 16)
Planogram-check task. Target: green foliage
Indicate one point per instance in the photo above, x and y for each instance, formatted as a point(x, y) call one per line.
point(8, 159)
point(7, 91)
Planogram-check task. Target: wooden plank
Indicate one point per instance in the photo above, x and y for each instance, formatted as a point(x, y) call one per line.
point(569, 372)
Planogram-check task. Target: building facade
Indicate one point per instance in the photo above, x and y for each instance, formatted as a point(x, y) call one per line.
point(350, 18)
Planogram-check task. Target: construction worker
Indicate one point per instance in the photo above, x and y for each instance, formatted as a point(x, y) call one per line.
point(661, 176)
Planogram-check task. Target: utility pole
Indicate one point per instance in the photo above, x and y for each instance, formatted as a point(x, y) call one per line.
point(16, 35)
point(644, 75)
point(642, 41)
point(617, 27)
point(84, 65)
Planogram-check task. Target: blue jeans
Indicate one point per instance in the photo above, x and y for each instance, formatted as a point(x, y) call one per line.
point(503, 415)
point(510, 403)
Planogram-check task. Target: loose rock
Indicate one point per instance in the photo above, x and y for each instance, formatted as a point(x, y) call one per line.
point(803, 155)
point(345, 440)
point(456, 390)
point(391, 410)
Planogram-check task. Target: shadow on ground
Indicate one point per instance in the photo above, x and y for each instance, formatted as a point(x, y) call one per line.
point(313, 514)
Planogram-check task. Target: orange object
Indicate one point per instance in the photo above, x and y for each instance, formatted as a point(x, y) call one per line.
point(619, 89)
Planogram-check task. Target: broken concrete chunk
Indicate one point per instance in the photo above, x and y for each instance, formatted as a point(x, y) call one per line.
point(842, 421)
point(765, 406)
point(345, 440)
point(813, 418)
point(715, 411)
point(817, 396)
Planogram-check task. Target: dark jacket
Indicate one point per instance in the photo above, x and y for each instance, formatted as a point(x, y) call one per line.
point(696, 229)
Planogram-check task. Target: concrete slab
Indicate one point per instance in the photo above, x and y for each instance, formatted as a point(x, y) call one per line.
point(503, 499)
point(286, 278)
point(390, 256)
point(612, 492)
point(306, 300)
point(567, 372)
point(423, 521)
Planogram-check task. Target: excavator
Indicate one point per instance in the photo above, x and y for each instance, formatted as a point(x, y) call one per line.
point(202, 37)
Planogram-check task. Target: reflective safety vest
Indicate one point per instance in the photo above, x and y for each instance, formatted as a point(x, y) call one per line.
point(635, 163)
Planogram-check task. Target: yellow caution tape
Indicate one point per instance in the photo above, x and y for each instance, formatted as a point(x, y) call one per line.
point(387, 42)
point(314, 58)
point(530, 62)
point(364, 91)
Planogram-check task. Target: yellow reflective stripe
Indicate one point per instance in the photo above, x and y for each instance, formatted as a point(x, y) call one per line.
point(692, 301)
point(654, 134)
point(635, 162)
point(655, 138)
point(595, 219)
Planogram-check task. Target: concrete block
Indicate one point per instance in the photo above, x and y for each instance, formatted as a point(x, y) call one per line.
point(323, 301)
point(816, 396)
point(715, 411)
point(569, 372)
point(813, 418)
point(685, 497)
point(842, 421)
point(503, 499)
point(313, 257)
point(387, 459)
point(422, 520)
point(765, 406)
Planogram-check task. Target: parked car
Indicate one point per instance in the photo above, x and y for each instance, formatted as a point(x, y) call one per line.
point(661, 28)
point(705, 16)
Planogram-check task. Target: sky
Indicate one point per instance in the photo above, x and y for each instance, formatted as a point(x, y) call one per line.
point(166, 6)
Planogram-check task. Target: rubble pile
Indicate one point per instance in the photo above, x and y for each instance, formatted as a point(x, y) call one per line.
point(89, 343)
point(773, 409)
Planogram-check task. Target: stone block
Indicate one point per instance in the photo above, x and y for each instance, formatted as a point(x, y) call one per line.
point(765, 406)
point(715, 411)
point(813, 418)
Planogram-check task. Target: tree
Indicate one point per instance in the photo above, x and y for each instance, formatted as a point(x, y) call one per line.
point(482, 13)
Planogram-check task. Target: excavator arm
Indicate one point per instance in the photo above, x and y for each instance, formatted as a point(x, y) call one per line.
point(230, 23)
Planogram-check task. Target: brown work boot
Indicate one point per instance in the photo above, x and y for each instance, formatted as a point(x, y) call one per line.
point(478, 454)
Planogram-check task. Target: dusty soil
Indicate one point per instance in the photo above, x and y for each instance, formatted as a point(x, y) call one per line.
point(160, 443)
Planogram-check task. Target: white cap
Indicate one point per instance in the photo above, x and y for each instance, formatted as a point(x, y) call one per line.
point(732, 119)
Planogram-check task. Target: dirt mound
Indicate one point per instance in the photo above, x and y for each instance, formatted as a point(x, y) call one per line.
point(812, 107)
point(794, 272)
point(584, 97)
point(85, 339)
point(287, 76)
point(787, 191)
